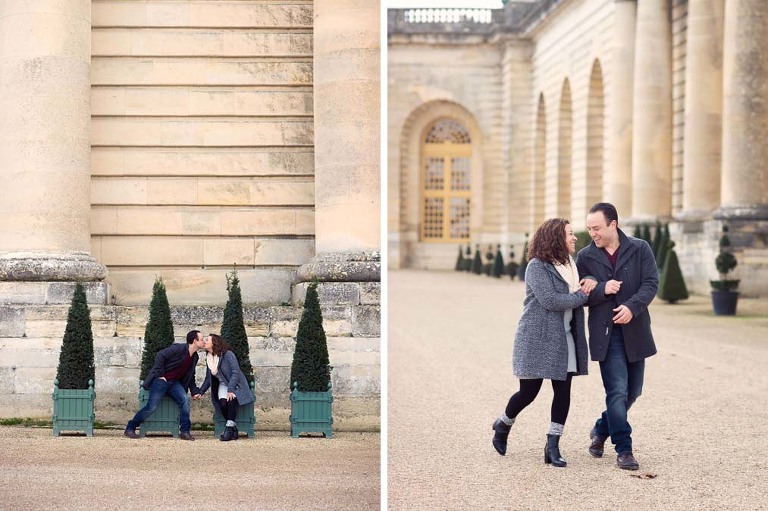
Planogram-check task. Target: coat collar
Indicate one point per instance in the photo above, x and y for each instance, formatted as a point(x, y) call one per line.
point(627, 246)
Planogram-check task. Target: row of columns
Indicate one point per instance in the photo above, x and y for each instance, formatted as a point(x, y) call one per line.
point(726, 110)
point(45, 141)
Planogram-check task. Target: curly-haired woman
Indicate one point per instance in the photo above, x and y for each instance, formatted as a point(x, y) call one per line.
point(550, 342)
point(229, 388)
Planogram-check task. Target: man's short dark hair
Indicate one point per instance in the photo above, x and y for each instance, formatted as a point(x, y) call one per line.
point(192, 336)
point(608, 210)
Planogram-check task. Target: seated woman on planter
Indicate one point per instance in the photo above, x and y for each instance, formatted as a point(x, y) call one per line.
point(229, 388)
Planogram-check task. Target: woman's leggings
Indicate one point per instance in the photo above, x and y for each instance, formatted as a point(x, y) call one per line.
point(229, 408)
point(529, 389)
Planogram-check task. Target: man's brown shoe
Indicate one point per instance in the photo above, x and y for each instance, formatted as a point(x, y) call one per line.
point(626, 461)
point(130, 433)
point(186, 436)
point(597, 446)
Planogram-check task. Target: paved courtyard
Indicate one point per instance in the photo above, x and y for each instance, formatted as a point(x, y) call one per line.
point(700, 427)
point(109, 471)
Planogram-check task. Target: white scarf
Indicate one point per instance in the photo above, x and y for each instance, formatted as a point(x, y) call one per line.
point(569, 273)
point(213, 363)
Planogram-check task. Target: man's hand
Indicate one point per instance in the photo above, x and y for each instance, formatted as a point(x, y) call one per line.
point(587, 285)
point(623, 315)
point(197, 397)
point(230, 396)
point(612, 287)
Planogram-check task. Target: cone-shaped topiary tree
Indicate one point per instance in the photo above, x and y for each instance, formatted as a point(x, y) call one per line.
point(158, 333)
point(671, 283)
point(523, 260)
point(460, 260)
point(468, 259)
point(636, 233)
point(663, 247)
point(647, 234)
point(582, 240)
point(511, 268)
point(311, 367)
point(656, 244)
point(233, 327)
point(76, 358)
point(477, 263)
point(489, 257)
point(498, 263)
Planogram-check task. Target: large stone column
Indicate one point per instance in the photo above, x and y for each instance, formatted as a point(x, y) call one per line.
point(618, 183)
point(744, 193)
point(652, 113)
point(703, 109)
point(45, 54)
point(347, 142)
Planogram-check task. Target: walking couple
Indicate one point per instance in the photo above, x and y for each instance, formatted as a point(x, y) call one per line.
point(616, 277)
point(174, 374)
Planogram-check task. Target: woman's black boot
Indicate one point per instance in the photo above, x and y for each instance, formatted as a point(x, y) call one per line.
point(501, 432)
point(552, 451)
point(227, 435)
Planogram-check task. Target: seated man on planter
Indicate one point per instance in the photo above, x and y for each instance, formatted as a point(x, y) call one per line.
point(172, 374)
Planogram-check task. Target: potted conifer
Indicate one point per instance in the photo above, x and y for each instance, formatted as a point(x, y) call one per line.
point(498, 263)
point(158, 335)
point(233, 331)
point(73, 388)
point(477, 262)
point(523, 261)
point(672, 286)
point(460, 260)
point(311, 394)
point(725, 294)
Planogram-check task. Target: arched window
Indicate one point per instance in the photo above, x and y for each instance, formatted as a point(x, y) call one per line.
point(446, 177)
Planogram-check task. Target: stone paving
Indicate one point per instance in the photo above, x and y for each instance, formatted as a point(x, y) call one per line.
point(700, 427)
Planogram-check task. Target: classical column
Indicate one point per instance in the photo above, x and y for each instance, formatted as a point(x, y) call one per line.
point(618, 182)
point(45, 56)
point(652, 113)
point(347, 142)
point(703, 109)
point(744, 184)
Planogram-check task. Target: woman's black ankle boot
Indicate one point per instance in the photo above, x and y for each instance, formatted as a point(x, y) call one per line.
point(552, 452)
point(227, 435)
point(501, 432)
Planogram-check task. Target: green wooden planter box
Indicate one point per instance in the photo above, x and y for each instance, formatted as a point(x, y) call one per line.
point(164, 420)
point(311, 412)
point(245, 419)
point(73, 409)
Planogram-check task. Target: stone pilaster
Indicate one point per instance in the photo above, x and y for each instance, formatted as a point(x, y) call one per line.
point(652, 113)
point(347, 142)
point(744, 184)
point(618, 184)
point(703, 109)
point(45, 56)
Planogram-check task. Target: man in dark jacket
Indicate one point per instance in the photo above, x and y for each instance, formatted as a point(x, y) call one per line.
point(620, 335)
point(172, 374)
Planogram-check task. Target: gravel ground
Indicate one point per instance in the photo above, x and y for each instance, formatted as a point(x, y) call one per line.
point(109, 471)
point(700, 427)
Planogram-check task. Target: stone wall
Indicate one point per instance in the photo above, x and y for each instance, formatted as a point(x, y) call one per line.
point(30, 342)
point(202, 146)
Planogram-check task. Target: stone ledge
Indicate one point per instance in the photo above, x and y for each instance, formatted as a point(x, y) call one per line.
point(51, 293)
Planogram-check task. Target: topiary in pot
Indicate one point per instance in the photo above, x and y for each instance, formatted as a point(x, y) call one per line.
point(460, 260)
point(725, 293)
point(489, 257)
point(233, 331)
point(158, 335)
point(73, 388)
point(311, 394)
point(523, 260)
point(498, 263)
point(477, 262)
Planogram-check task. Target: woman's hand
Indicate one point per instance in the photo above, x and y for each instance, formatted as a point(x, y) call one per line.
point(587, 285)
point(230, 396)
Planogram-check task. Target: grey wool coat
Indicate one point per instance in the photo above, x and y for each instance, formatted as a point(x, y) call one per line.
point(229, 374)
point(541, 349)
point(636, 269)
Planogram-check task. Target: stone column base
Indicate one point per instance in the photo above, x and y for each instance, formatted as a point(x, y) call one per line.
point(51, 293)
point(342, 267)
point(51, 267)
point(756, 212)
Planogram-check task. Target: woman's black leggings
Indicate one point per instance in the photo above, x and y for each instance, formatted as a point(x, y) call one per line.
point(529, 389)
point(228, 408)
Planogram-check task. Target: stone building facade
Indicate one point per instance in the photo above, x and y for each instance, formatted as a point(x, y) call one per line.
point(179, 139)
point(656, 106)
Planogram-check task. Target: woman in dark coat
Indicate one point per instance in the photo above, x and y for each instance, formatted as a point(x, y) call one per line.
point(229, 388)
point(550, 342)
